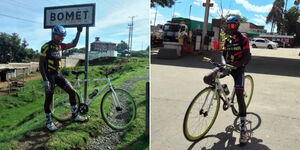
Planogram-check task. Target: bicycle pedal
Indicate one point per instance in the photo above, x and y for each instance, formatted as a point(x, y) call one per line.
point(118, 108)
point(201, 112)
point(225, 106)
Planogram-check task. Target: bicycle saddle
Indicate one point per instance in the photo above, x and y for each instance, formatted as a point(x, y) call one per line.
point(75, 72)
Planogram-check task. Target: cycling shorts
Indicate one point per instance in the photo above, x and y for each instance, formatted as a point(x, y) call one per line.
point(57, 79)
point(238, 76)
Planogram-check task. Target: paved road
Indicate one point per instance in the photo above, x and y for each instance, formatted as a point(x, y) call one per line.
point(275, 104)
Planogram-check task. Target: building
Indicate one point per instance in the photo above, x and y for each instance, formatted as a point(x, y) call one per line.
point(103, 48)
point(251, 29)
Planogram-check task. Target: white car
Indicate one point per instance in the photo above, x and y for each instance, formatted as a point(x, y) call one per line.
point(263, 43)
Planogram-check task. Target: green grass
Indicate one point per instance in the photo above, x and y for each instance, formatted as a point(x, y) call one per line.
point(22, 114)
point(135, 137)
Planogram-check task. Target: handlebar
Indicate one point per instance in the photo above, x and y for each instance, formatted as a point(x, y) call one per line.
point(219, 65)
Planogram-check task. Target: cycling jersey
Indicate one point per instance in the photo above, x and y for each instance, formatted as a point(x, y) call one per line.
point(53, 53)
point(234, 48)
point(237, 52)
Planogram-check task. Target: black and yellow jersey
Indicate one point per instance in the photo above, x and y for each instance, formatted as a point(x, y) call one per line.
point(53, 53)
point(234, 47)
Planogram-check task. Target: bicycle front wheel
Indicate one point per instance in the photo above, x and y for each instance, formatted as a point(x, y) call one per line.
point(118, 117)
point(61, 107)
point(201, 114)
point(248, 92)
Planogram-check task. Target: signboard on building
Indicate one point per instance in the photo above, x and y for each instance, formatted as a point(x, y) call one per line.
point(70, 16)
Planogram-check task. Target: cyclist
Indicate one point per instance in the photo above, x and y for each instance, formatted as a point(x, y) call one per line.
point(50, 66)
point(236, 52)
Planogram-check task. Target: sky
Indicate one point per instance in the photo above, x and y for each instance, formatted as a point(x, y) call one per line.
point(255, 11)
point(111, 24)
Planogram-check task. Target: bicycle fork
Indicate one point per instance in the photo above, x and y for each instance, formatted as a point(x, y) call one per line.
point(202, 111)
point(116, 99)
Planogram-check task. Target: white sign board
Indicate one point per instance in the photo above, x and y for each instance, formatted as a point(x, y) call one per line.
point(70, 16)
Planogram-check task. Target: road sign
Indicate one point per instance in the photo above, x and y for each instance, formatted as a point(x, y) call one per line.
point(70, 16)
point(210, 5)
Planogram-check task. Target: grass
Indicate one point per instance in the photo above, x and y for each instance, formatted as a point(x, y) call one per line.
point(22, 114)
point(135, 137)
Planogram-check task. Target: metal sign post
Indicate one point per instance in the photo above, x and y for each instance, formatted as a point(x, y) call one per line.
point(86, 65)
point(73, 16)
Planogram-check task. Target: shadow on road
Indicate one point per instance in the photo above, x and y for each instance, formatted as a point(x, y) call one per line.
point(226, 140)
point(258, 64)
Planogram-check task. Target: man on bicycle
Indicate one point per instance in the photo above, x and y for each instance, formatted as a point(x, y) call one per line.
point(50, 66)
point(236, 52)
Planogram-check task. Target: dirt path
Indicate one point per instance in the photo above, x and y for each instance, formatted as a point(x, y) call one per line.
point(5, 84)
point(107, 140)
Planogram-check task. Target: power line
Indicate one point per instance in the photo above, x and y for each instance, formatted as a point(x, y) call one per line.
point(14, 3)
point(19, 18)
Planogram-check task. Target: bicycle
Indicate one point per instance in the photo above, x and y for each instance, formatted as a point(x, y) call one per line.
point(205, 105)
point(118, 109)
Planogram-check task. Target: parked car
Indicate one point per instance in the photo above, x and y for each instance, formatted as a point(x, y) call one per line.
point(263, 43)
point(280, 43)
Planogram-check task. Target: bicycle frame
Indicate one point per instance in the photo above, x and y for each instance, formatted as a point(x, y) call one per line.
point(220, 90)
point(100, 90)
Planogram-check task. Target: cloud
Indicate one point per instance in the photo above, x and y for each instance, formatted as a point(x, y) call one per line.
point(231, 11)
point(177, 14)
point(197, 18)
point(160, 18)
point(120, 15)
point(254, 8)
point(259, 19)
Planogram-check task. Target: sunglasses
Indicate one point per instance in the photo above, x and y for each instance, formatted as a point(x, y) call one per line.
point(231, 26)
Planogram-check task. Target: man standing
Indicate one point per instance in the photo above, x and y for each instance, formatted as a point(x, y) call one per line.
point(50, 66)
point(236, 52)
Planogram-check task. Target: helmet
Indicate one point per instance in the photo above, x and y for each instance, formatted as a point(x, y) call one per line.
point(233, 20)
point(59, 30)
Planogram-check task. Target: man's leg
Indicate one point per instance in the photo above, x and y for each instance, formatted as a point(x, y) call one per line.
point(66, 85)
point(47, 108)
point(47, 105)
point(72, 95)
point(238, 76)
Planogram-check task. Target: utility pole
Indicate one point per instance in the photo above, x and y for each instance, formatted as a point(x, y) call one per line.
point(130, 34)
point(174, 8)
point(204, 31)
point(155, 15)
point(190, 11)
point(285, 5)
point(128, 44)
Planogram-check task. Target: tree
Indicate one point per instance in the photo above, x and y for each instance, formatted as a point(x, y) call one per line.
point(291, 18)
point(276, 15)
point(162, 3)
point(13, 49)
point(122, 46)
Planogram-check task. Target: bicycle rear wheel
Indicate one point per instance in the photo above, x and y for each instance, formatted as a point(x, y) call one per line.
point(248, 92)
point(61, 107)
point(118, 118)
point(201, 114)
